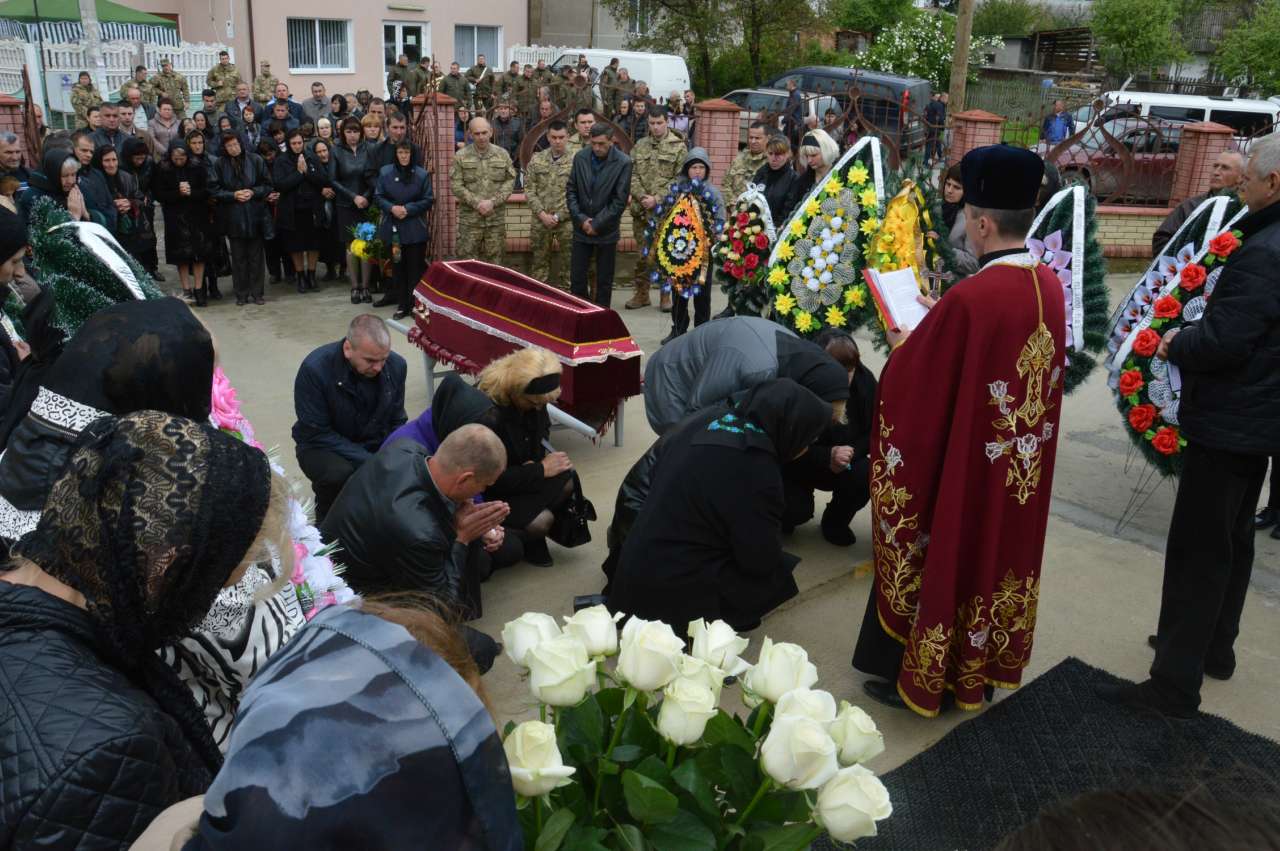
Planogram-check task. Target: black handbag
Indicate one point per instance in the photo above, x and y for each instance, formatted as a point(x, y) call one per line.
point(324, 215)
point(569, 529)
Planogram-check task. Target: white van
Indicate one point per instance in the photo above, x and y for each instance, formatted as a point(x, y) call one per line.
point(1245, 116)
point(664, 72)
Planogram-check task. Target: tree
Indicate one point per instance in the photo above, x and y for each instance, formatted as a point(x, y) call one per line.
point(1010, 18)
point(921, 45)
point(697, 28)
point(763, 21)
point(1248, 52)
point(869, 15)
point(1137, 36)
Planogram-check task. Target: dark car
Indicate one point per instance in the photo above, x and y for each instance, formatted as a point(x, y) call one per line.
point(892, 104)
point(1135, 163)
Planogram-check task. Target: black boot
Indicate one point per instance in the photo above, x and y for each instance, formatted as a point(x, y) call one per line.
point(311, 280)
point(202, 297)
point(214, 292)
point(355, 295)
point(386, 300)
point(1265, 518)
point(302, 282)
point(365, 297)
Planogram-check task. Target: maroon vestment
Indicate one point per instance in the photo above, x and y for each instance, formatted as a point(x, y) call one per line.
point(961, 469)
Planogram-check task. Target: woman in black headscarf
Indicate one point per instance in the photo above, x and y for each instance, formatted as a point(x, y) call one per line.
point(122, 188)
point(403, 193)
point(133, 356)
point(135, 158)
point(152, 516)
point(953, 222)
point(57, 180)
point(182, 189)
point(708, 542)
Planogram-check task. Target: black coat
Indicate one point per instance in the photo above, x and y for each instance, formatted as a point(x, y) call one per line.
point(351, 177)
point(414, 194)
point(89, 758)
point(299, 192)
point(523, 485)
point(1230, 359)
point(396, 529)
point(779, 187)
point(228, 175)
point(330, 411)
point(382, 154)
point(855, 432)
point(186, 217)
point(601, 198)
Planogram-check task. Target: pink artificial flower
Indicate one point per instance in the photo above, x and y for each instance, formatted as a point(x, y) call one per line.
point(299, 576)
point(225, 409)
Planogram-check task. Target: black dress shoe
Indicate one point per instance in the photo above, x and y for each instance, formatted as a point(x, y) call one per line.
point(259, 300)
point(1275, 532)
point(400, 314)
point(386, 301)
point(240, 300)
point(667, 339)
point(1265, 519)
point(883, 691)
point(355, 296)
point(365, 297)
point(1142, 698)
point(841, 536)
point(537, 553)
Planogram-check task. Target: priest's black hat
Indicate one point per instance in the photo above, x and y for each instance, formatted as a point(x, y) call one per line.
point(1001, 177)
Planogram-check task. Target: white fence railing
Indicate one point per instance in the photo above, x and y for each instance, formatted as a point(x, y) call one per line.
point(64, 62)
point(531, 53)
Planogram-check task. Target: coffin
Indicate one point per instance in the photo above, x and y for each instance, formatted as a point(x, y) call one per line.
point(470, 313)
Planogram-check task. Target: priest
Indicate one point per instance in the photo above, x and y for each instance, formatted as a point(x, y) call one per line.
point(963, 447)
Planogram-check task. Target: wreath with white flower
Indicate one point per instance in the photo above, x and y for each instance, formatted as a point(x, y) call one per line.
point(1148, 388)
point(679, 236)
point(815, 268)
point(740, 260)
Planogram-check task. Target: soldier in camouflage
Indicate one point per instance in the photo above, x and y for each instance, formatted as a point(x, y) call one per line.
point(609, 88)
point(223, 78)
point(624, 88)
point(455, 86)
point(400, 79)
point(582, 124)
point(657, 160)
point(551, 231)
point(264, 85)
point(525, 92)
point(580, 94)
point(482, 177)
point(173, 86)
point(746, 163)
point(543, 75)
point(480, 77)
point(84, 96)
point(141, 83)
point(507, 83)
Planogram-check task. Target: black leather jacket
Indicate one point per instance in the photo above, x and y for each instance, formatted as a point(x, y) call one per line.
point(88, 758)
point(601, 197)
point(351, 177)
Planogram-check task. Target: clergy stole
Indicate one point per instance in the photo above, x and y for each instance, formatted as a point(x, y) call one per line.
point(961, 471)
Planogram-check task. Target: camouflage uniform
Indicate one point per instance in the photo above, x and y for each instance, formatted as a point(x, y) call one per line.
point(625, 89)
point(656, 164)
point(173, 86)
point(82, 98)
point(223, 79)
point(475, 177)
point(609, 90)
point(525, 92)
point(577, 143)
point(507, 86)
point(264, 85)
point(580, 96)
point(144, 88)
point(544, 76)
point(481, 80)
point(744, 167)
point(455, 86)
point(545, 182)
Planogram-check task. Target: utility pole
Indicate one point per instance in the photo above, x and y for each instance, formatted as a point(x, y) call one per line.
point(93, 44)
point(959, 59)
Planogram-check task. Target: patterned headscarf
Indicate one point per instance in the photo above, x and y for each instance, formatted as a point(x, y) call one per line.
point(147, 520)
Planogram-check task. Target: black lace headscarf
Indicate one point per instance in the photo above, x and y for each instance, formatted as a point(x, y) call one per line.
point(148, 520)
point(778, 416)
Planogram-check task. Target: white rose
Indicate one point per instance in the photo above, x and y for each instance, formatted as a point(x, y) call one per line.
point(648, 655)
point(695, 669)
point(534, 757)
point(559, 671)
point(596, 629)
point(526, 632)
point(807, 703)
point(798, 753)
point(851, 803)
point(856, 735)
point(687, 706)
point(717, 644)
point(780, 668)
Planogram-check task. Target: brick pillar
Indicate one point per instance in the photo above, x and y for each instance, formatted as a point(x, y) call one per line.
point(974, 128)
point(1200, 146)
point(11, 122)
point(439, 124)
point(716, 128)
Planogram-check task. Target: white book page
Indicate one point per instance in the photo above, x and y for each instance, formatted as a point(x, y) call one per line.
point(899, 289)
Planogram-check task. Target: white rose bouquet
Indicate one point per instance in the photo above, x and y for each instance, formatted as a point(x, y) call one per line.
point(642, 756)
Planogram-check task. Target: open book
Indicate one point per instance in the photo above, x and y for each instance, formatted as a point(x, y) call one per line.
point(895, 294)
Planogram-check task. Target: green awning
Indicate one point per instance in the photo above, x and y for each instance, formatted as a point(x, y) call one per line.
point(69, 10)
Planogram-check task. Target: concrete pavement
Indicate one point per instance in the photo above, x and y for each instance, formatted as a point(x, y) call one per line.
point(1100, 591)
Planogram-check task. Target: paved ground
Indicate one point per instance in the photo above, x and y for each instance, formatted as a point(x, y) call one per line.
point(1100, 589)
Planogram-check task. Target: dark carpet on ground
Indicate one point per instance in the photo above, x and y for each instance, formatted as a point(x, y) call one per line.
point(1051, 741)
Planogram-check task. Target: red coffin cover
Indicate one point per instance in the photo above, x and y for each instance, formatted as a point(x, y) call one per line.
point(471, 313)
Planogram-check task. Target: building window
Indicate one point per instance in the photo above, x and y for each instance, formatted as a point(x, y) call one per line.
point(471, 41)
point(319, 44)
point(638, 17)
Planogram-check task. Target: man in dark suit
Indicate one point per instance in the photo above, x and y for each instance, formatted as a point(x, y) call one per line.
point(599, 184)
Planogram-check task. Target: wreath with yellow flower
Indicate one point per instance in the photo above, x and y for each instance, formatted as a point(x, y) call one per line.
point(815, 268)
point(679, 236)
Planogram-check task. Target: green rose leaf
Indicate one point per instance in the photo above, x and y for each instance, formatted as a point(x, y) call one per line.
point(554, 831)
point(626, 753)
point(792, 837)
point(581, 732)
point(724, 729)
point(682, 833)
point(689, 777)
point(647, 801)
point(629, 837)
point(585, 838)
